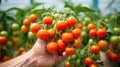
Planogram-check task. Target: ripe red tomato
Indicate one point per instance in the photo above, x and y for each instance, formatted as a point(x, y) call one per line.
point(91, 26)
point(93, 65)
point(47, 20)
point(61, 45)
point(71, 21)
point(76, 33)
point(52, 47)
point(61, 25)
point(77, 43)
point(52, 32)
point(3, 40)
point(92, 33)
point(88, 61)
point(101, 33)
point(1, 55)
point(33, 17)
point(43, 34)
point(70, 50)
point(67, 37)
point(26, 22)
point(35, 27)
point(95, 49)
point(112, 56)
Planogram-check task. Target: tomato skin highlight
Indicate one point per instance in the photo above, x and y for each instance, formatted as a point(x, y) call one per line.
point(47, 20)
point(43, 34)
point(61, 25)
point(95, 49)
point(88, 61)
point(35, 27)
point(70, 51)
point(76, 33)
point(101, 33)
point(67, 37)
point(61, 45)
point(52, 47)
point(67, 64)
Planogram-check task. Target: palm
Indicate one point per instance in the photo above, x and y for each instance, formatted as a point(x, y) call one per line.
point(41, 52)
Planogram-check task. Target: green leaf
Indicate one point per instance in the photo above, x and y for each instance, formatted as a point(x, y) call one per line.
point(80, 8)
point(36, 4)
point(38, 11)
point(10, 18)
point(14, 8)
point(70, 5)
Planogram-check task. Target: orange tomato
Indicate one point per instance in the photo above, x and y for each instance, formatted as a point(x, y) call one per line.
point(52, 47)
point(33, 17)
point(76, 33)
point(52, 32)
point(61, 45)
point(67, 37)
point(70, 50)
point(47, 20)
point(91, 26)
point(43, 34)
point(23, 29)
point(77, 43)
point(35, 27)
point(26, 22)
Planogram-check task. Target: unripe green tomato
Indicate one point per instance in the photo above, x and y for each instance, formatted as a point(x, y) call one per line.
point(31, 35)
point(4, 33)
point(113, 16)
point(87, 19)
point(69, 58)
point(78, 62)
point(74, 57)
point(15, 26)
point(115, 40)
point(56, 16)
point(84, 35)
point(117, 30)
point(9, 44)
point(106, 20)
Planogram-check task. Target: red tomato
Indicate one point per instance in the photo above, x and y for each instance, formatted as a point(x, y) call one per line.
point(61, 25)
point(88, 61)
point(101, 33)
point(112, 56)
point(47, 20)
point(52, 47)
point(76, 33)
point(61, 45)
point(71, 21)
point(67, 37)
point(35, 27)
point(33, 17)
point(95, 49)
point(3, 40)
point(0, 55)
point(70, 50)
point(43, 34)
point(26, 22)
point(93, 65)
point(92, 33)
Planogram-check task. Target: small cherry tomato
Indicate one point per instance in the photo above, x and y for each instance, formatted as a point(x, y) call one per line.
point(76, 33)
point(95, 49)
point(88, 61)
point(33, 17)
point(35, 27)
point(47, 20)
point(70, 50)
point(101, 33)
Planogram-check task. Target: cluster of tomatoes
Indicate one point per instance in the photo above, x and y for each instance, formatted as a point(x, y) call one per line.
point(61, 35)
point(96, 37)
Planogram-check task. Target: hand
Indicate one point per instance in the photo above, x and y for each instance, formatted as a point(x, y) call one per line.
point(43, 58)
